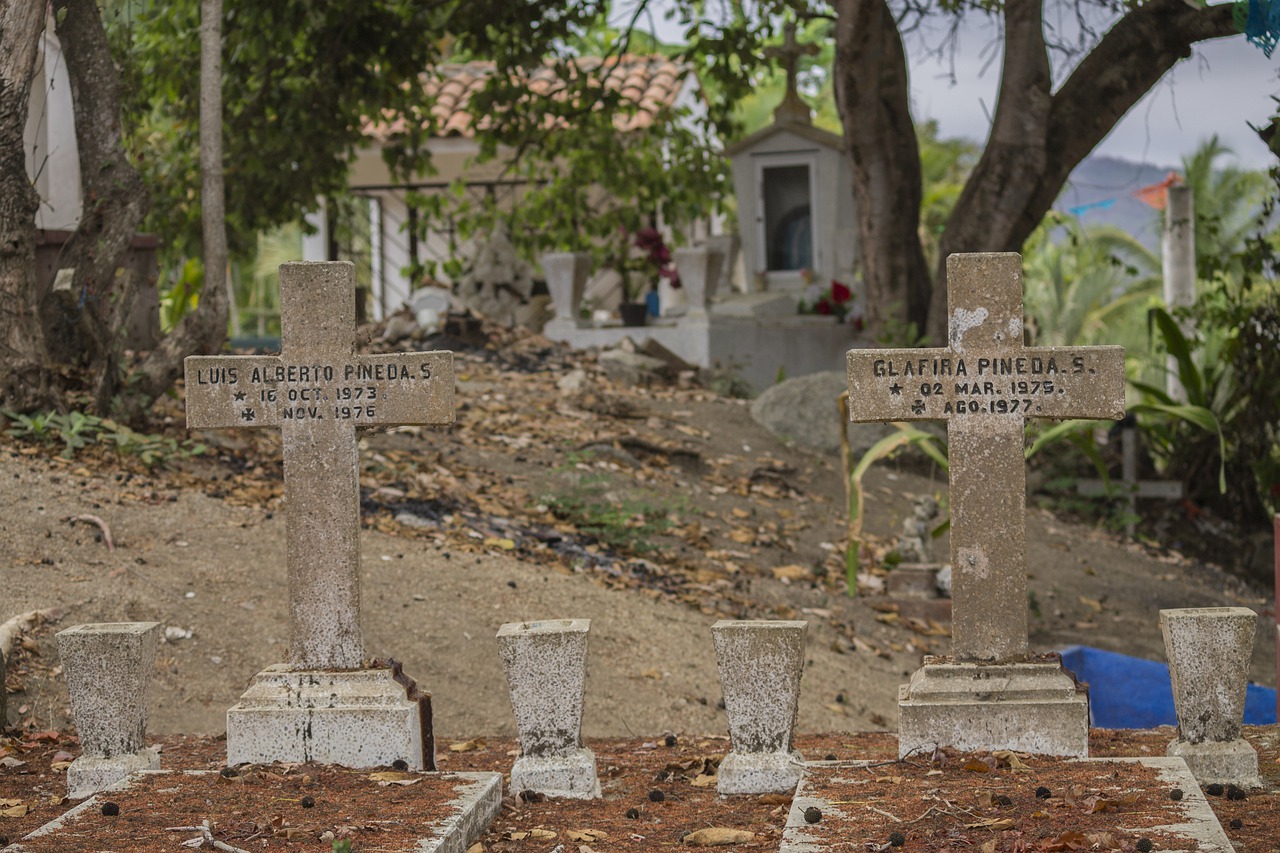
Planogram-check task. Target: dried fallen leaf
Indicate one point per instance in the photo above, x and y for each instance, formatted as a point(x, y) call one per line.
point(977, 765)
point(775, 799)
point(12, 808)
point(1069, 840)
point(1005, 756)
point(504, 544)
point(790, 572)
point(704, 780)
point(394, 777)
point(587, 835)
point(718, 836)
point(467, 745)
point(995, 824)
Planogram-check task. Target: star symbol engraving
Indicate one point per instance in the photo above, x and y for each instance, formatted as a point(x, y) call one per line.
point(247, 414)
point(917, 408)
point(895, 389)
point(240, 395)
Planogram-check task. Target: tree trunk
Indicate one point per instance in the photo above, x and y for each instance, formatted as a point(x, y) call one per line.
point(24, 379)
point(1039, 137)
point(204, 329)
point(212, 195)
point(114, 201)
point(872, 95)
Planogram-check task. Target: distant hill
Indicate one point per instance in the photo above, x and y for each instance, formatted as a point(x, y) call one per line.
point(1098, 179)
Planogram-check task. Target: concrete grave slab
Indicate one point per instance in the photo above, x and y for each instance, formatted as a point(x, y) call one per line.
point(108, 667)
point(546, 667)
point(1190, 819)
point(474, 802)
point(760, 663)
point(985, 384)
point(321, 395)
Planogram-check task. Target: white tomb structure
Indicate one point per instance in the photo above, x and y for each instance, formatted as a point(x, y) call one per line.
point(795, 211)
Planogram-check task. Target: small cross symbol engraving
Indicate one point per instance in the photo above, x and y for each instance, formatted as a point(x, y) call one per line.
point(319, 393)
point(985, 384)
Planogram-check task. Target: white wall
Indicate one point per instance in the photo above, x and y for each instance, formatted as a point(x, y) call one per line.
point(50, 139)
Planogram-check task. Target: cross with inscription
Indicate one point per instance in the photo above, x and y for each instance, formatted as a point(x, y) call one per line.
point(319, 393)
point(985, 384)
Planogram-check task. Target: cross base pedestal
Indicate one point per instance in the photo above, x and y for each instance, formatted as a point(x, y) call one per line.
point(360, 718)
point(1232, 762)
point(759, 772)
point(572, 775)
point(1026, 707)
point(90, 774)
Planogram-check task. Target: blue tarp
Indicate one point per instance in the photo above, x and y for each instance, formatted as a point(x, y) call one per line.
point(1132, 693)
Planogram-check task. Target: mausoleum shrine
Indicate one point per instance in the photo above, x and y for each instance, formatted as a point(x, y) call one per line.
point(795, 195)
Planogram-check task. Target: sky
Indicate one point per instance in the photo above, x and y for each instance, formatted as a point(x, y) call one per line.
point(1220, 88)
point(1224, 85)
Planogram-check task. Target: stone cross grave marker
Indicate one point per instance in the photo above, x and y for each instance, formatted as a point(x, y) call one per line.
point(319, 394)
point(985, 384)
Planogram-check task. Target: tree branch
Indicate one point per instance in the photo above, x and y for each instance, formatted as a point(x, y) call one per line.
point(1033, 152)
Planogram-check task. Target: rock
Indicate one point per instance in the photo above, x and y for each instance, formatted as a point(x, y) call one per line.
point(573, 381)
point(803, 411)
point(632, 368)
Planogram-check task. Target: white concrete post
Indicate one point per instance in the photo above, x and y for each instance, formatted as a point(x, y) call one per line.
point(760, 664)
point(567, 274)
point(108, 668)
point(546, 666)
point(699, 270)
point(1209, 650)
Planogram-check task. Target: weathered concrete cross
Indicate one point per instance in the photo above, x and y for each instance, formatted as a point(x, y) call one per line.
point(319, 393)
point(985, 384)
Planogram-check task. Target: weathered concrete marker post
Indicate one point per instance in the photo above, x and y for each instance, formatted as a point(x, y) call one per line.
point(985, 385)
point(319, 393)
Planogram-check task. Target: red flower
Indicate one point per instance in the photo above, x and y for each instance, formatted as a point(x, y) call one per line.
point(839, 292)
point(824, 307)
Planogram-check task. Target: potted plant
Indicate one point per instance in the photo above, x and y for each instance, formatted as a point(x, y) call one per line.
point(642, 258)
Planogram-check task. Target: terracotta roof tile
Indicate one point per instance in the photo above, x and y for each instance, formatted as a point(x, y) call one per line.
point(650, 82)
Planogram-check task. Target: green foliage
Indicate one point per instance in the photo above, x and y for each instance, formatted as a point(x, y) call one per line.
point(945, 166)
point(182, 294)
point(856, 470)
point(597, 509)
point(77, 430)
point(1224, 441)
point(300, 81)
point(595, 164)
point(1087, 285)
point(896, 332)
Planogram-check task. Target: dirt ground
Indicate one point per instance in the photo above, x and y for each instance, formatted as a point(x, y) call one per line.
point(490, 521)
